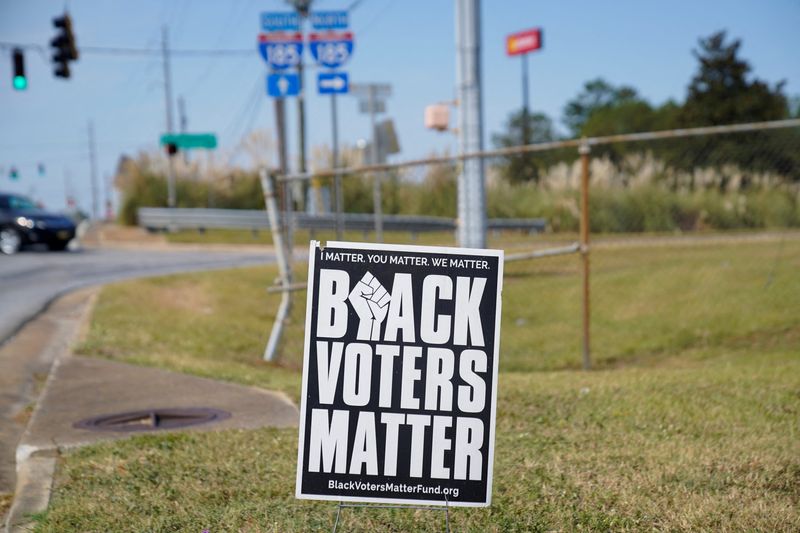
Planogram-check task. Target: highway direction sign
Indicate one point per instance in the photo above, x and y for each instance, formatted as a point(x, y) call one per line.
point(331, 49)
point(329, 20)
point(281, 50)
point(283, 84)
point(190, 140)
point(524, 42)
point(280, 21)
point(333, 83)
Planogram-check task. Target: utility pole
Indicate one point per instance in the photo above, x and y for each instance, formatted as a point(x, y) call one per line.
point(93, 163)
point(168, 101)
point(471, 191)
point(302, 7)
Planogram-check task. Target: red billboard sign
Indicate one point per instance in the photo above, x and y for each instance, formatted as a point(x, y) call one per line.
point(524, 42)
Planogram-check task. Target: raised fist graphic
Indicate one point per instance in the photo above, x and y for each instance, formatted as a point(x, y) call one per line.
point(371, 302)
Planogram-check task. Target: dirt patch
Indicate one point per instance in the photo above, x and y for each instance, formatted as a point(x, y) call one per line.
point(5, 504)
point(184, 297)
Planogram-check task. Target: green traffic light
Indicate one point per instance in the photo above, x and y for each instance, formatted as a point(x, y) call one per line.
point(20, 83)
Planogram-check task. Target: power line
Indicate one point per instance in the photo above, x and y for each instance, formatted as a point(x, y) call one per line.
point(117, 50)
point(107, 50)
point(354, 5)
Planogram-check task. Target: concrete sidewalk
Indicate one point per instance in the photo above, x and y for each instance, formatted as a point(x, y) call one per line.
point(78, 388)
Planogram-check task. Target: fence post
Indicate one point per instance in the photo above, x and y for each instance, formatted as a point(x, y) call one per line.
point(284, 267)
point(584, 151)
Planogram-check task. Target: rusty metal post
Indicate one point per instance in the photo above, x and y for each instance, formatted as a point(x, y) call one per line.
point(584, 150)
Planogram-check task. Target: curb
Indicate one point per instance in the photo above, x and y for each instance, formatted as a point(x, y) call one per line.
point(35, 466)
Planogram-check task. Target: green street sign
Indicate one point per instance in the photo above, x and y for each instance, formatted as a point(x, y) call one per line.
point(190, 140)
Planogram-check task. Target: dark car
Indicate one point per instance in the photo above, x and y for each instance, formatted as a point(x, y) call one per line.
point(22, 223)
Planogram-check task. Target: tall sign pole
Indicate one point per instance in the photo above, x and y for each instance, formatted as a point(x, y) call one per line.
point(372, 99)
point(338, 199)
point(302, 7)
point(521, 44)
point(526, 131)
point(471, 191)
point(285, 188)
point(281, 46)
point(331, 45)
point(301, 127)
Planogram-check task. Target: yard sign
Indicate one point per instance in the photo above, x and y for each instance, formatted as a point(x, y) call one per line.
point(400, 374)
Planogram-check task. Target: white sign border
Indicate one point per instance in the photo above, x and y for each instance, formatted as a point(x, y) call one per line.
point(313, 245)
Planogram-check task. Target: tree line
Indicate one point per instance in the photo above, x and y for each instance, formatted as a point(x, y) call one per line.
point(721, 91)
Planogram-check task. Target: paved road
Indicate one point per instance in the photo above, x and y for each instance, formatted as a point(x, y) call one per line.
point(31, 279)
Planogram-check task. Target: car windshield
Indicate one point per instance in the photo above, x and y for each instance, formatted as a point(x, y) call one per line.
point(17, 203)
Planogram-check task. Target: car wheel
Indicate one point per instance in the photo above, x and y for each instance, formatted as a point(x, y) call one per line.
point(10, 241)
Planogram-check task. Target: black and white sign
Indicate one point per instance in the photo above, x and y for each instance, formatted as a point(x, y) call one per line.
point(400, 374)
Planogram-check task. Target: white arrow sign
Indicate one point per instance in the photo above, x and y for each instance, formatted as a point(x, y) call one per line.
point(336, 83)
point(283, 85)
point(332, 83)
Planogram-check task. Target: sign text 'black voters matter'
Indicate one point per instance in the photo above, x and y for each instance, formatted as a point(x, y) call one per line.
point(400, 374)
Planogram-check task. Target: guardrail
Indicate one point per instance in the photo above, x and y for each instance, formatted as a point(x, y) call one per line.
point(159, 219)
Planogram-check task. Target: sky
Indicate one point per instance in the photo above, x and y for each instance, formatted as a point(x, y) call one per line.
point(409, 44)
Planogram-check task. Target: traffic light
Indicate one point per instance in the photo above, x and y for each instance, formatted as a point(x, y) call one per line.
point(64, 48)
point(20, 82)
point(13, 173)
point(172, 149)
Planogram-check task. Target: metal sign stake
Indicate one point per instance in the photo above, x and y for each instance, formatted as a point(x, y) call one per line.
point(445, 509)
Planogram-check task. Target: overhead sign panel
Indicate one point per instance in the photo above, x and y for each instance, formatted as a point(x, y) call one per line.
point(400, 374)
point(281, 50)
point(283, 84)
point(329, 20)
point(331, 49)
point(280, 21)
point(524, 42)
point(332, 83)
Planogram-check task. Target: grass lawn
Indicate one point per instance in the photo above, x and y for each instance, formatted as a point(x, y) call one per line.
point(498, 239)
point(689, 422)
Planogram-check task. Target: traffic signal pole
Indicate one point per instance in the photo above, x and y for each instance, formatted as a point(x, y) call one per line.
point(19, 81)
point(168, 99)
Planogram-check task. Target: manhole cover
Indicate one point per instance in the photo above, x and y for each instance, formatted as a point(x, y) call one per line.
point(153, 419)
